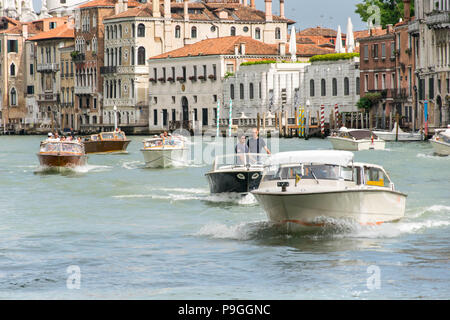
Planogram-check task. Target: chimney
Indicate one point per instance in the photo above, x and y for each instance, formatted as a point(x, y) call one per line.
point(268, 10)
point(155, 9)
point(25, 31)
point(282, 9)
point(390, 28)
point(242, 45)
point(167, 12)
point(125, 5)
point(236, 49)
point(118, 7)
point(252, 4)
point(282, 49)
point(245, 3)
point(406, 10)
point(186, 11)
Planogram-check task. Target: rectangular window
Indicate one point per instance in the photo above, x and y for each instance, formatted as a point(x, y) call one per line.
point(383, 50)
point(392, 49)
point(205, 116)
point(155, 117)
point(204, 72)
point(174, 115)
point(165, 117)
point(13, 46)
point(366, 83)
point(30, 89)
point(195, 115)
point(366, 52)
point(31, 69)
point(431, 88)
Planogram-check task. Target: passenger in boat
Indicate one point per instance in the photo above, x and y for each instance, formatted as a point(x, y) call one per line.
point(241, 149)
point(256, 144)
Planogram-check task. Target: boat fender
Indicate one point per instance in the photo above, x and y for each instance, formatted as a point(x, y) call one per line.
point(255, 176)
point(241, 176)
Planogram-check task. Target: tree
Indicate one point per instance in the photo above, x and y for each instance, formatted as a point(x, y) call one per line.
point(389, 11)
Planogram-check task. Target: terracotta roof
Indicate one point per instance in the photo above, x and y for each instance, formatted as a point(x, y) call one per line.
point(309, 50)
point(206, 12)
point(221, 46)
point(365, 33)
point(63, 31)
point(319, 31)
point(106, 3)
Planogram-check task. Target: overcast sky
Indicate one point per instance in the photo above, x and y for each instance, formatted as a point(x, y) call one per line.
point(307, 13)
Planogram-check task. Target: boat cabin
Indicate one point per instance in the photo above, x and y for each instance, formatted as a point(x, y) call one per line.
point(162, 142)
point(239, 160)
point(61, 147)
point(358, 134)
point(106, 136)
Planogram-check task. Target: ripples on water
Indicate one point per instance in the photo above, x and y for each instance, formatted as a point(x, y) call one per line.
point(159, 234)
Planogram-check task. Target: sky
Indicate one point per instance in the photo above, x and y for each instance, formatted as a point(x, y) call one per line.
point(310, 13)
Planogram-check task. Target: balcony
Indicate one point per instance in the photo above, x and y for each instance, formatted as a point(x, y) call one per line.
point(85, 90)
point(48, 97)
point(78, 57)
point(108, 69)
point(400, 94)
point(48, 67)
point(175, 125)
point(438, 19)
point(119, 102)
point(413, 27)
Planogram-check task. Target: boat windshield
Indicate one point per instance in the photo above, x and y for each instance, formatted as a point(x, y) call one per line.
point(374, 176)
point(108, 136)
point(237, 160)
point(444, 136)
point(169, 141)
point(309, 171)
point(61, 147)
point(120, 135)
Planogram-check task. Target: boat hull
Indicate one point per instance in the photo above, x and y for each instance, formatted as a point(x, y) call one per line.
point(242, 181)
point(106, 146)
point(165, 158)
point(356, 145)
point(389, 136)
point(55, 160)
point(440, 148)
point(366, 207)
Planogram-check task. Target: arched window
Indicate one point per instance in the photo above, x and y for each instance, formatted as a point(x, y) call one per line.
point(115, 32)
point(334, 87)
point(257, 33)
point(141, 56)
point(323, 88)
point(120, 31)
point(13, 97)
point(346, 87)
point(251, 91)
point(12, 69)
point(278, 33)
point(177, 32)
point(141, 30)
point(233, 31)
point(107, 63)
point(194, 33)
point(232, 91)
point(133, 30)
point(241, 91)
point(311, 88)
point(107, 33)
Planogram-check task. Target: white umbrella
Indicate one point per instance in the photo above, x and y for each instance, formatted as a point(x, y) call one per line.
point(293, 45)
point(350, 40)
point(339, 48)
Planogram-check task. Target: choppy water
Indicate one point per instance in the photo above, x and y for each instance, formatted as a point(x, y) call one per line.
point(137, 233)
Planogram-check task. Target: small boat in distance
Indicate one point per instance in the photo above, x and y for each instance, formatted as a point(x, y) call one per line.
point(441, 141)
point(54, 153)
point(163, 152)
point(236, 173)
point(402, 135)
point(356, 140)
point(318, 187)
point(106, 142)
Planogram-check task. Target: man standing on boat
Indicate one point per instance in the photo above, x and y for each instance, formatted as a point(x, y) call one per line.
point(256, 144)
point(241, 149)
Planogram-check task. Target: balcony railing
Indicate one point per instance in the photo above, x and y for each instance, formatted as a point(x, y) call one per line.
point(48, 97)
point(48, 67)
point(84, 90)
point(108, 69)
point(78, 57)
point(438, 19)
point(118, 102)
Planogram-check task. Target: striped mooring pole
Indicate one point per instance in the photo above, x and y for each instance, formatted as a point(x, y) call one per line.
point(322, 119)
point(336, 115)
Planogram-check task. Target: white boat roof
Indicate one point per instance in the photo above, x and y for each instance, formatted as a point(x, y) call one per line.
point(335, 157)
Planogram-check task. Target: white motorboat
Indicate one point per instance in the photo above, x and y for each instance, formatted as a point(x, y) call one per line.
point(356, 140)
point(314, 188)
point(163, 152)
point(402, 135)
point(441, 141)
point(236, 173)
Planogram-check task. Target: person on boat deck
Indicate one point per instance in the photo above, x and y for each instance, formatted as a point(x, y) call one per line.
point(256, 144)
point(241, 149)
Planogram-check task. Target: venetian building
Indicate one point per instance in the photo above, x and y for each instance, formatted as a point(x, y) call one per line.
point(63, 7)
point(21, 10)
point(431, 39)
point(133, 35)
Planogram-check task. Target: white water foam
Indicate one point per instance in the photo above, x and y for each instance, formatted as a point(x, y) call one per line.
point(432, 156)
point(131, 165)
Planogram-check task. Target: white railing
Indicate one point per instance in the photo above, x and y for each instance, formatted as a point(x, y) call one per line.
point(53, 67)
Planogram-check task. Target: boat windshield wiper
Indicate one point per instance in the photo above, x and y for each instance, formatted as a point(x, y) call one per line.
point(314, 176)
